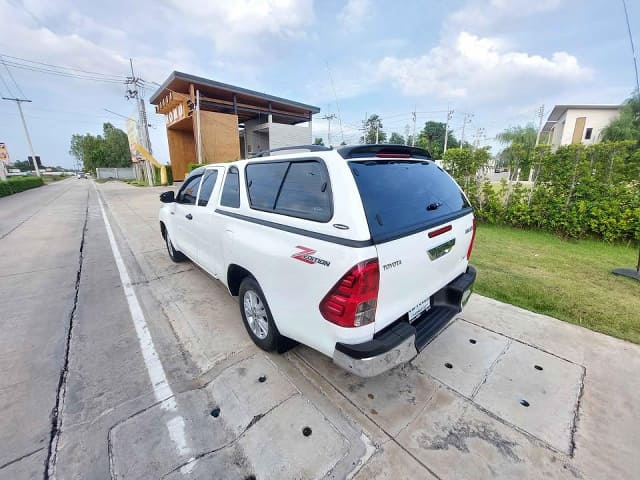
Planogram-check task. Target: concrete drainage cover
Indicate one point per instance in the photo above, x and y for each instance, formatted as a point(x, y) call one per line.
point(526, 387)
point(293, 441)
point(462, 355)
point(249, 420)
point(535, 391)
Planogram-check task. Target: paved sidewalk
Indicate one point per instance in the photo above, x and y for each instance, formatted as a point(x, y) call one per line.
point(500, 393)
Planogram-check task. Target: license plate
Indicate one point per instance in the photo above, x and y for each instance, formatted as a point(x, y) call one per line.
point(419, 308)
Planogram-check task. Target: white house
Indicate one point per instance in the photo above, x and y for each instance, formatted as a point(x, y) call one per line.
point(571, 124)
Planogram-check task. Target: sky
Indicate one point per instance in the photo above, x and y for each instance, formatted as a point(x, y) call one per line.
point(492, 62)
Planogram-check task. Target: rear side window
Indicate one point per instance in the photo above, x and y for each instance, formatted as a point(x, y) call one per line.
point(403, 197)
point(208, 182)
point(298, 189)
point(231, 189)
point(263, 183)
point(305, 192)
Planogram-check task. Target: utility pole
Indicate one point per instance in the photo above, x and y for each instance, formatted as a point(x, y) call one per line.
point(446, 128)
point(142, 124)
point(328, 118)
point(635, 61)
point(477, 137)
point(364, 129)
point(413, 136)
point(199, 131)
point(467, 119)
point(19, 101)
point(540, 114)
point(406, 134)
point(377, 132)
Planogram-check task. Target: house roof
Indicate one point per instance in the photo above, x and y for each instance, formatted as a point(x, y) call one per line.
point(179, 82)
point(559, 110)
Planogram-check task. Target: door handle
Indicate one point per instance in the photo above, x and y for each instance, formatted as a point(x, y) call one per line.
point(188, 216)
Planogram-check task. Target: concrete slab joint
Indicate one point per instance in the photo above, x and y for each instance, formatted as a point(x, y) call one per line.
point(249, 420)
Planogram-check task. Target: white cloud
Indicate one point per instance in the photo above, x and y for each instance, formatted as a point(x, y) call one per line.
point(479, 67)
point(483, 17)
point(243, 26)
point(354, 13)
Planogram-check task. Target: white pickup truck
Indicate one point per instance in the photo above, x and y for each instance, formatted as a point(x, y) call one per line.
point(361, 253)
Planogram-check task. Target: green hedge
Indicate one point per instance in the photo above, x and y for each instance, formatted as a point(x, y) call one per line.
point(193, 166)
point(576, 192)
point(19, 184)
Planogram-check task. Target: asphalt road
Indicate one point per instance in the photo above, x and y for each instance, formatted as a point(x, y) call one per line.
point(117, 363)
point(70, 360)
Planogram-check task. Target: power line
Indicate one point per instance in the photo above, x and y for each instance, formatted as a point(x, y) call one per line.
point(6, 85)
point(61, 73)
point(12, 78)
point(62, 67)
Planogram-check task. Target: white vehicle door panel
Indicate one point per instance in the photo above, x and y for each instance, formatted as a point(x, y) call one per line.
point(183, 234)
point(205, 224)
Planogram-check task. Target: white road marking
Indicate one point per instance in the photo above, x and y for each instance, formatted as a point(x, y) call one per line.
point(157, 376)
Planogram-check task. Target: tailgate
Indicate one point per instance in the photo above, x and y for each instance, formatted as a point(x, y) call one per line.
point(421, 224)
point(414, 267)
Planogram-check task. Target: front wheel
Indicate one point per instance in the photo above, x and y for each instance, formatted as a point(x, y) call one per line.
point(256, 315)
point(175, 255)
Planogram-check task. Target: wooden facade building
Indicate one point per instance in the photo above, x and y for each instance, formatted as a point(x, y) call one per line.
point(234, 122)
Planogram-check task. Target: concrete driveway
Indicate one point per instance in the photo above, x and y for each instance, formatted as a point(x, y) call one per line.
point(500, 393)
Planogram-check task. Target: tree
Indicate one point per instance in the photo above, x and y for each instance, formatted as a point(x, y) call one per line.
point(109, 150)
point(23, 166)
point(318, 141)
point(371, 126)
point(627, 125)
point(518, 153)
point(432, 138)
point(396, 139)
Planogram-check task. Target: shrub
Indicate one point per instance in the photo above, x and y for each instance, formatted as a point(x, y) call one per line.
point(577, 192)
point(193, 166)
point(19, 184)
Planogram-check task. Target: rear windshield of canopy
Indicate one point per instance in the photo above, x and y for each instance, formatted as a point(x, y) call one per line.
point(401, 197)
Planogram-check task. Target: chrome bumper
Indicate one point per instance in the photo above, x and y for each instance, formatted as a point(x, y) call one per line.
point(372, 366)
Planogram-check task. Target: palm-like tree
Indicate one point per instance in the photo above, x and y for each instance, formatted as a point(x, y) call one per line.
point(518, 139)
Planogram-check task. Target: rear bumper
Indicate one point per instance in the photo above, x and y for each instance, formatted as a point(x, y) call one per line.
point(401, 341)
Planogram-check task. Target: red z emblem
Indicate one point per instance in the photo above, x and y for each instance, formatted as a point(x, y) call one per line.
point(306, 255)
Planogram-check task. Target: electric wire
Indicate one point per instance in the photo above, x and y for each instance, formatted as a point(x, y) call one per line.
point(6, 85)
point(12, 78)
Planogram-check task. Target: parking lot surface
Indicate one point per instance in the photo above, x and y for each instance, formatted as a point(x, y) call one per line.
point(118, 363)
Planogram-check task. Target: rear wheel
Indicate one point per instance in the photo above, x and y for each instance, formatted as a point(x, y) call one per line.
point(175, 255)
point(256, 315)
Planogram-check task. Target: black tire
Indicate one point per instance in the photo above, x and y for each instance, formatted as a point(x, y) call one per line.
point(249, 288)
point(175, 255)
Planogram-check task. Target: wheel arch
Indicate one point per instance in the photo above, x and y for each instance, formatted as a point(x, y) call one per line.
point(235, 275)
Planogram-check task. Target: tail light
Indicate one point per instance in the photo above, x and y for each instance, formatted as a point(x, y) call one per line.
point(352, 301)
point(473, 237)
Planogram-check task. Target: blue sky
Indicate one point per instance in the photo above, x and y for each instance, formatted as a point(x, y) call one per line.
point(499, 60)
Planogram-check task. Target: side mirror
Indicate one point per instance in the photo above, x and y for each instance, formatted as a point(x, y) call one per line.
point(168, 197)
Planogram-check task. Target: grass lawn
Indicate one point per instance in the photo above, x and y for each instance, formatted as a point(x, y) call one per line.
point(569, 280)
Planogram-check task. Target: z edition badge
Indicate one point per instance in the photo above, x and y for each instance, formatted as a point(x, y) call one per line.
point(306, 255)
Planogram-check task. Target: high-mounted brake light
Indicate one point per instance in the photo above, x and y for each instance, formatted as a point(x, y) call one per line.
point(393, 155)
point(352, 301)
point(439, 231)
point(473, 237)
